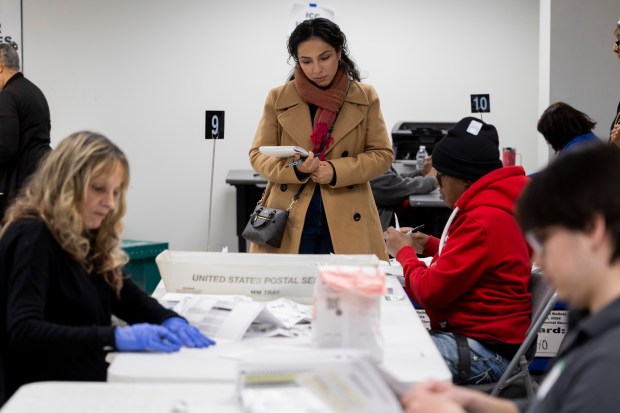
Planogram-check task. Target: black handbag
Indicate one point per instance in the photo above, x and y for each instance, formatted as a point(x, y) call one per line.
point(266, 225)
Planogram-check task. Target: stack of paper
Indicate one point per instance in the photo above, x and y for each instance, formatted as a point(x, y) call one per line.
point(315, 380)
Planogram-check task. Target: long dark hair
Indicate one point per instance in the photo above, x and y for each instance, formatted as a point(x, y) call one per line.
point(330, 33)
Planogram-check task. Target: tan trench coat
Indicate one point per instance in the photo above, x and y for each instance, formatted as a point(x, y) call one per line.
point(361, 151)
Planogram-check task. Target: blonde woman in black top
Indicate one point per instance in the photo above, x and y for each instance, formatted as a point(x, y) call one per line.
point(61, 275)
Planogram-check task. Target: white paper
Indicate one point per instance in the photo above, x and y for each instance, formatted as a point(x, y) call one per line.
point(283, 151)
point(290, 379)
point(231, 318)
point(305, 11)
point(282, 400)
point(357, 387)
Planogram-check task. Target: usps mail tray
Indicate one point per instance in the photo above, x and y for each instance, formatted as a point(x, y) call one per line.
point(260, 276)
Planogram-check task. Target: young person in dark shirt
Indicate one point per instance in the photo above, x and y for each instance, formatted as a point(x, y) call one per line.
point(572, 221)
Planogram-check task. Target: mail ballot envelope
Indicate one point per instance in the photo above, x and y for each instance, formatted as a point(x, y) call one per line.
point(263, 277)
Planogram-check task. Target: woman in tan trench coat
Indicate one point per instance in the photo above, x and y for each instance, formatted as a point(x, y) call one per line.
point(326, 110)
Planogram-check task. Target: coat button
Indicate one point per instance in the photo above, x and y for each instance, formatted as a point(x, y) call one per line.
point(283, 187)
point(357, 216)
point(345, 154)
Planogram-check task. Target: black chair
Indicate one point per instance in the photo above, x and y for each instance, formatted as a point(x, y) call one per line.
point(543, 301)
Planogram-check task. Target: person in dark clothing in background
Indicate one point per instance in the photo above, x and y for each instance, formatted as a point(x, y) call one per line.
point(392, 189)
point(24, 125)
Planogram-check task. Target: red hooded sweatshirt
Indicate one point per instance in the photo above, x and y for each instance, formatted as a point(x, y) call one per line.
point(477, 285)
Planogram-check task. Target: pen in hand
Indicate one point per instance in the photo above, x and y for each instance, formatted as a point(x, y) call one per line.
point(415, 229)
point(297, 162)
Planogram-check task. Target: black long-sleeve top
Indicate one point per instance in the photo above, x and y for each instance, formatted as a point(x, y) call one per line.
point(24, 134)
point(55, 318)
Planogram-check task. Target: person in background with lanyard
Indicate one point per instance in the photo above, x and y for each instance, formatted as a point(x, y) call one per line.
point(61, 276)
point(614, 136)
point(571, 221)
point(325, 109)
point(24, 125)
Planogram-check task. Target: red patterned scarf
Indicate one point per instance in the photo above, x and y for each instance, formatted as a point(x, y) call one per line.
point(329, 102)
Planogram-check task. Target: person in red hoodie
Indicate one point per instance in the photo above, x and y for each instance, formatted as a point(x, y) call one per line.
point(475, 290)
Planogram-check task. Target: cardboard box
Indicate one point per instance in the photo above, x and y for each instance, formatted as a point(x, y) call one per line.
point(263, 277)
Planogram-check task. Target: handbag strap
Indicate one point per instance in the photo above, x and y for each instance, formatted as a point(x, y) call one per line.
point(296, 196)
point(293, 201)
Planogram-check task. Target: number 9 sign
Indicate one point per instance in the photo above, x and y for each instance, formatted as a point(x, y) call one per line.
point(214, 124)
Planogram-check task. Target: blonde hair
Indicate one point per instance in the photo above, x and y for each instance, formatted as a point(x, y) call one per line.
point(54, 194)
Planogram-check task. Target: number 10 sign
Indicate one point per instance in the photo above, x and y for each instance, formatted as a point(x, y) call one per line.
point(480, 103)
point(214, 124)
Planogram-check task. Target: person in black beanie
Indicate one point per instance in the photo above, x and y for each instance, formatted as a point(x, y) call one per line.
point(475, 290)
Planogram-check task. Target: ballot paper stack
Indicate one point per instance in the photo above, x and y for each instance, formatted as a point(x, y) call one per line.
point(304, 380)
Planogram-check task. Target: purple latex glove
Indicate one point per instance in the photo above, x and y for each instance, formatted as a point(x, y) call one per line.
point(146, 337)
point(190, 336)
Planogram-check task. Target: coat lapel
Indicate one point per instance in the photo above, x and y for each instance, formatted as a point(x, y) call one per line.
point(350, 116)
point(294, 116)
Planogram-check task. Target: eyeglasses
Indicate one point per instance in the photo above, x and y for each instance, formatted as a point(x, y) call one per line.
point(439, 176)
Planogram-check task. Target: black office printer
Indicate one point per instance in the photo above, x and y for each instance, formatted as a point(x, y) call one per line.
point(408, 136)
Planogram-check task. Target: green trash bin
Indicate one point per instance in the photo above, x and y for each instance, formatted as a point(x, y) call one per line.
point(141, 267)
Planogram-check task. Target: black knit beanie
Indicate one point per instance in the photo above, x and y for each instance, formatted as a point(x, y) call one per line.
point(469, 151)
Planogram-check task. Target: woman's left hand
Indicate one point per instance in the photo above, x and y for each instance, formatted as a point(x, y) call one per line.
point(323, 174)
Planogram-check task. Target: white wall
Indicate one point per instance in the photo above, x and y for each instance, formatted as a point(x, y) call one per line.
point(144, 71)
point(584, 71)
point(576, 61)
